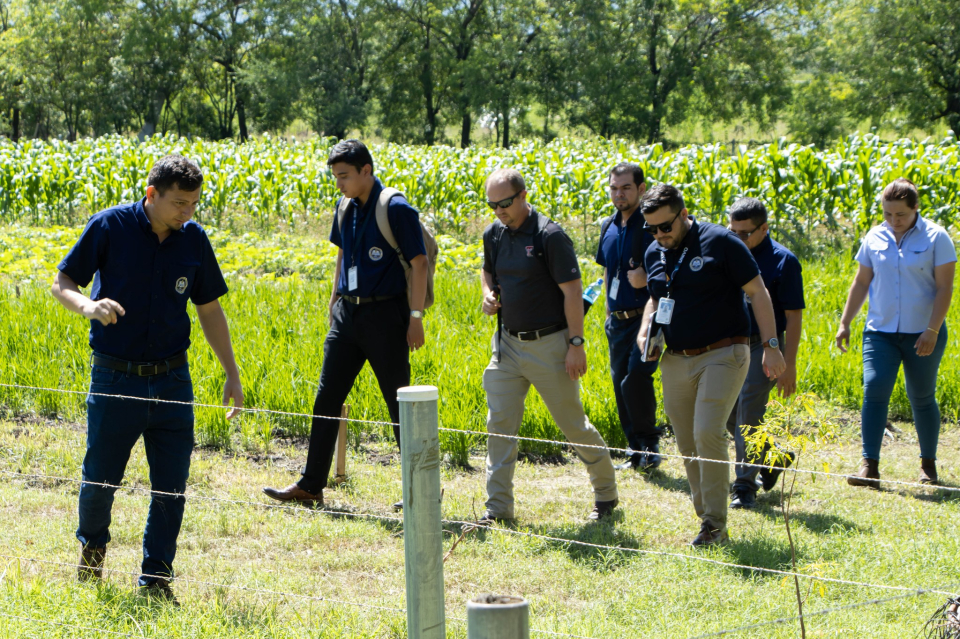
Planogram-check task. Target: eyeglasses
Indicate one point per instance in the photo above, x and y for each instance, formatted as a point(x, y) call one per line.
point(503, 204)
point(666, 227)
point(745, 235)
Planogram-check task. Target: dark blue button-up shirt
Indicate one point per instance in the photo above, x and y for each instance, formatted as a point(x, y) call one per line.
point(782, 275)
point(151, 280)
point(615, 254)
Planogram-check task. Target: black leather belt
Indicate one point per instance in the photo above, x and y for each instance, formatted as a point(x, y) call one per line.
point(529, 336)
point(366, 300)
point(622, 315)
point(142, 369)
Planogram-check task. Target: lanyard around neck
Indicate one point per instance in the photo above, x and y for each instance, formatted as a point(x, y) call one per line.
point(663, 260)
point(358, 237)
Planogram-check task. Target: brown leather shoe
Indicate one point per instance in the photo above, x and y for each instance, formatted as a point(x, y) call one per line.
point(159, 590)
point(928, 471)
point(602, 509)
point(90, 566)
point(710, 535)
point(294, 494)
point(868, 475)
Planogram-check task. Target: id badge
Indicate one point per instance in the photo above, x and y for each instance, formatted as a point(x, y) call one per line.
point(614, 288)
point(665, 310)
point(352, 278)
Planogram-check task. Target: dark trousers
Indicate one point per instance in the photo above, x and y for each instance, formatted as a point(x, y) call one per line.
point(632, 382)
point(113, 427)
point(374, 332)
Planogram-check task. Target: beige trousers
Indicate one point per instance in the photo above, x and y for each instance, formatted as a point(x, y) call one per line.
point(698, 394)
point(506, 382)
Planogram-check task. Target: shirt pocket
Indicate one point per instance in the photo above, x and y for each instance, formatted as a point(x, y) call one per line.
point(918, 257)
point(179, 280)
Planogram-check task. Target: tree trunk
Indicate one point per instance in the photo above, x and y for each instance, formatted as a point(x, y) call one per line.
point(426, 81)
point(15, 134)
point(242, 120)
point(953, 112)
point(465, 127)
point(506, 124)
point(151, 119)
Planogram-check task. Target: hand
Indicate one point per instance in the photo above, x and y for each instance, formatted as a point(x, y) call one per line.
point(642, 345)
point(576, 362)
point(773, 362)
point(415, 338)
point(105, 311)
point(637, 277)
point(843, 338)
point(490, 303)
point(232, 390)
point(787, 382)
point(926, 343)
point(333, 304)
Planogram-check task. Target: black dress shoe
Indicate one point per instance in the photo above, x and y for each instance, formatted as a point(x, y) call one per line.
point(159, 590)
point(651, 455)
point(709, 535)
point(295, 495)
point(398, 506)
point(602, 509)
point(488, 519)
point(743, 498)
point(632, 463)
point(770, 476)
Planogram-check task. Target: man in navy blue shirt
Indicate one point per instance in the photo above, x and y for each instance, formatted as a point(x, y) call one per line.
point(626, 297)
point(697, 273)
point(370, 316)
point(783, 279)
point(146, 260)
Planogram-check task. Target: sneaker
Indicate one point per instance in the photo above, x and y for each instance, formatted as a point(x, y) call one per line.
point(602, 509)
point(489, 519)
point(159, 590)
point(90, 566)
point(398, 506)
point(710, 535)
point(632, 463)
point(769, 476)
point(743, 498)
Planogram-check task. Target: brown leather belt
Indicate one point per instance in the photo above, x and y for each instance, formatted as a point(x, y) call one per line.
point(366, 300)
point(142, 369)
point(622, 315)
point(727, 341)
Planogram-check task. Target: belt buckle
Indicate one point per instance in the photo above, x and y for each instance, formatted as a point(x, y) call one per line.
point(141, 372)
point(523, 339)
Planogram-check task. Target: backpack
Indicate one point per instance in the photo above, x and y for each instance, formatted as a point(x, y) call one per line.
point(383, 223)
point(539, 252)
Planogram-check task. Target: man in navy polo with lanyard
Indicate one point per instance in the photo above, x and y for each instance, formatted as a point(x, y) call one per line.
point(697, 273)
point(370, 317)
point(146, 260)
point(626, 297)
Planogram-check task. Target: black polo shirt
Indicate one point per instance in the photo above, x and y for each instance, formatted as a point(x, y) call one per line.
point(379, 271)
point(615, 253)
point(530, 297)
point(783, 277)
point(151, 280)
point(708, 288)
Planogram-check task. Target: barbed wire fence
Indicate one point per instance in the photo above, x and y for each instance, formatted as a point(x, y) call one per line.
point(906, 591)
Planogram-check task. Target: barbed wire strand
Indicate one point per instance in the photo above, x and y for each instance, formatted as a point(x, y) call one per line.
point(804, 471)
point(70, 625)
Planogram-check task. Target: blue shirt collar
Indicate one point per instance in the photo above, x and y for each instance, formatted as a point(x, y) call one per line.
point(371, 199)
point(141, 214)
point(765, 245)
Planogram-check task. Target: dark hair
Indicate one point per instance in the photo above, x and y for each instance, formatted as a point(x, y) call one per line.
point(628, 167)
point(902, 189)
point(175, 171)
point(748, 208)
point(352, 152)
point(659, 196)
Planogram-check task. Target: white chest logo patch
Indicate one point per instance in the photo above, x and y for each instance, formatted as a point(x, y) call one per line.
point(696, 264)
point(375, 254)
point(181, 285)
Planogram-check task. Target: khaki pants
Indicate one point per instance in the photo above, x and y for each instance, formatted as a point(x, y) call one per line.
point(698, 394)
point(506, 382)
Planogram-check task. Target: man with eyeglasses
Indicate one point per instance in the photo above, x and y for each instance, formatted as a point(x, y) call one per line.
point(531, 280)
point(697, 273)
point(783, 278)
point(626, 296)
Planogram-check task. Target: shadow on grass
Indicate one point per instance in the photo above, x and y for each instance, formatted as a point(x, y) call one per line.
point(759, 552)
point(818, 523)
point(662, 480)
point(934, 496)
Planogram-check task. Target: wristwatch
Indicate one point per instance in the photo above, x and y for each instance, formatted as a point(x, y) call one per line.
point(773, 342)
point(577, 341)
point(416, 314)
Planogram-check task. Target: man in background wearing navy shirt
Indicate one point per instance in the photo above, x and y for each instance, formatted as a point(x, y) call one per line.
point(370, 317)
point(697, 273)
point(626, 297)
point(146, 260)
point(783, 279)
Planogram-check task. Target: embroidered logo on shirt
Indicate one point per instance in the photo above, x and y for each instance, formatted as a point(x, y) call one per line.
point(696, 264)
point(529, 251)
point(375, 254)
point(181, 285)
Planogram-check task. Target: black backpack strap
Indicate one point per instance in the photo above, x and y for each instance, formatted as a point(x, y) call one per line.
point(603, 228)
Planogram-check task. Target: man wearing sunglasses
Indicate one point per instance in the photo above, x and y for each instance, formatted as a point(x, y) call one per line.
point(626, 296)
point(540, 341)
point(697, 273)
point(783, 279)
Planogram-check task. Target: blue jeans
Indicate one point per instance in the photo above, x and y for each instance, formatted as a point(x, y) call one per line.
point(882, 355)
point(113, 427)
point(632, 383)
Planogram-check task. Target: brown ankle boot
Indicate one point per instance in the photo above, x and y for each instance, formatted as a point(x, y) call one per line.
point(928, 471)
point(869, 474)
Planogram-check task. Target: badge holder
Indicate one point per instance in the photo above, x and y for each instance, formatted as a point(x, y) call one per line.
point(665, 311)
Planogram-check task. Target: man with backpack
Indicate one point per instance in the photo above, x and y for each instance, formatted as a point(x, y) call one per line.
point(531, 282)
point(376, 306)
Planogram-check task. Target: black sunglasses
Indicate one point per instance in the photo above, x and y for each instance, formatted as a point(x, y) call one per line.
point(745, 235)
point(666, 227)
point(503, 204)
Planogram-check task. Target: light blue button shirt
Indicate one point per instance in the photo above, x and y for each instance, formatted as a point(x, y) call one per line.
point(903, 288)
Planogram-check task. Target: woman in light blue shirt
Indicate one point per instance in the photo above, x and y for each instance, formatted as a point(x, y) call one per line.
point(906, 266)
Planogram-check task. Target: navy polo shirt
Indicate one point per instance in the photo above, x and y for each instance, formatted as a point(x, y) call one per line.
point(615, 253)
point(379, 271)
point(708, 287)
point(151, 280)
point(783, 277)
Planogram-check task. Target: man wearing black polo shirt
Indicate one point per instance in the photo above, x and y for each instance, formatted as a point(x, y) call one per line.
point(783, 279)
point(540, 341)
point(697, 273)
point(370, 317)
point(146, 260)
point(626, 297)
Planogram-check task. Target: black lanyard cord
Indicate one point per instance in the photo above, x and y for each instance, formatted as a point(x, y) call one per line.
point(663, 260)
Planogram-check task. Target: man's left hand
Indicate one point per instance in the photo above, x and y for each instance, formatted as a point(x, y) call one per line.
point(637, 277)
point(576, 362)
point(926, 343)
point(232, 390)
point(787, 382)
point(773, 362)
point(415, 338)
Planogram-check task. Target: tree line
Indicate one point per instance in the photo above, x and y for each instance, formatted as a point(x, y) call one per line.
point(434, 71)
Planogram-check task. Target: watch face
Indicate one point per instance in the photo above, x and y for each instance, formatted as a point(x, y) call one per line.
point(773, 343)
point(577, 341)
